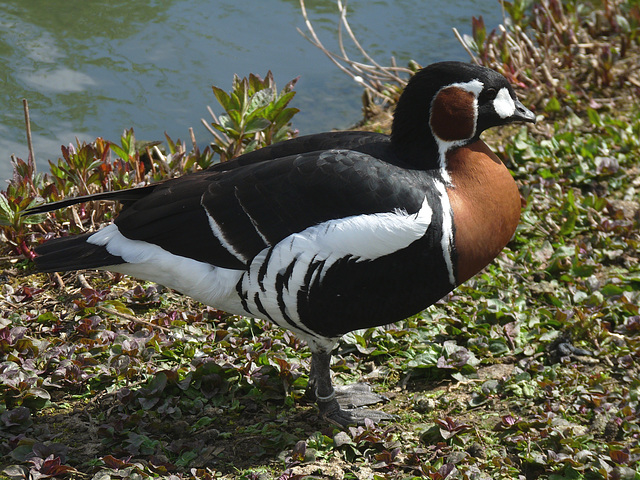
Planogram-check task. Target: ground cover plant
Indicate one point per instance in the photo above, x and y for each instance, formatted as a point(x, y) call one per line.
point(530, 370)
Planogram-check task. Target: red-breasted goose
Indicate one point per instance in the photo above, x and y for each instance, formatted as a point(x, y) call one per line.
point(327, 233)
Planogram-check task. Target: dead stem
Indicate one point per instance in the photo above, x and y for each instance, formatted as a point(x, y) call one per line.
point(32, 158)
point(370, 74)
point(83, 281)
point(473, 56)
point(27, 122)
point(11, 304)
point(58, 279)
point(192, 134)
point(218, 135)
point(131, 318)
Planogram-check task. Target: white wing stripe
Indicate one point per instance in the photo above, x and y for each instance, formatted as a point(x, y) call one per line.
point(365, 237)
point(253, 222)
point(217, 232)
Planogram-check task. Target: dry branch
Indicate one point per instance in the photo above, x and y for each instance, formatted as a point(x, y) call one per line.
point(370, 74)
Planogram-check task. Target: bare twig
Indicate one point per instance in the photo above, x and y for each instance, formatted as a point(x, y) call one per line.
point(83, 281)
point(343, 21)
point(370, 74)
point(58, 279)
point(473, 56)
point(213, 115)
point(11, 304)
point(209, 128)
point(76, 218)
point(131, 318)
point(193, 141)
point(162, 159)
point(218, 135)
point(27, 122)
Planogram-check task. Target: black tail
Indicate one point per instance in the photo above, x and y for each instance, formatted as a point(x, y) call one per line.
point(125, 197)
point(72, 253)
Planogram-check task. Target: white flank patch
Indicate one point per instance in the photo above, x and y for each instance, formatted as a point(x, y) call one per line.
point(447, 230)
point(360, 237)
point(206, 283)
point(503, 104)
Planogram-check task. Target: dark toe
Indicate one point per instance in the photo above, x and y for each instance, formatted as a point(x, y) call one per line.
point(357, 395)
point(357, 416)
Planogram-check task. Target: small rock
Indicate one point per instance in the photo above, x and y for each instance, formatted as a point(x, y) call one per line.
point(599, 423)
point(341, 438)
point(211, 411)
point(310, 455)
point(209, 435)
point(611, 430)
point(424, 404)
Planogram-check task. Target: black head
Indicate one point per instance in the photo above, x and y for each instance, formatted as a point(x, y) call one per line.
point(449, 104)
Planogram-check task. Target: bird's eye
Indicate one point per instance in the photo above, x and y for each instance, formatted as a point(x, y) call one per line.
point(489, 94)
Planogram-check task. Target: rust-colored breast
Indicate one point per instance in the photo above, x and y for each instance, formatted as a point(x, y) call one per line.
point(486, 206)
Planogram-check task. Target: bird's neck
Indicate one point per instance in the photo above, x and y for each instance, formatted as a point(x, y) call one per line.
point(415, 147)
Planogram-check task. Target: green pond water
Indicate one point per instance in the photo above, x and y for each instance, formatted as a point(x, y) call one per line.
point(93, 68)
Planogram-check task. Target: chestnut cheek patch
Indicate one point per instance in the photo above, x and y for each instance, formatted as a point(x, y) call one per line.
point(452, 114)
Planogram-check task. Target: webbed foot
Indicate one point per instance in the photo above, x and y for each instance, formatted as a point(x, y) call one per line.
point(357, 395)
point(342, 405)
point(348, 415)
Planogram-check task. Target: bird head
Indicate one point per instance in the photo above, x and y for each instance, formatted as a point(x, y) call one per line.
point(449, 104)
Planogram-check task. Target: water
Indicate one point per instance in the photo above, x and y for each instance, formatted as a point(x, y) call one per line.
point(94, 68)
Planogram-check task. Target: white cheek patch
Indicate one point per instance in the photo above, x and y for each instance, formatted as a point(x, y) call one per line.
point(503, 104)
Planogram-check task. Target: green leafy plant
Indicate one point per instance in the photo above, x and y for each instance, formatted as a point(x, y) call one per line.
point(20, 194)
point(560, 51)
point(256, 114)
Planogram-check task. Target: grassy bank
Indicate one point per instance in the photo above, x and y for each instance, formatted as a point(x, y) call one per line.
point(530, 370)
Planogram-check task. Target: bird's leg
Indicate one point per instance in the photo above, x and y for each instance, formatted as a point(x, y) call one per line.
point(320, 388)
point(340, 405)
point(310, 392)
